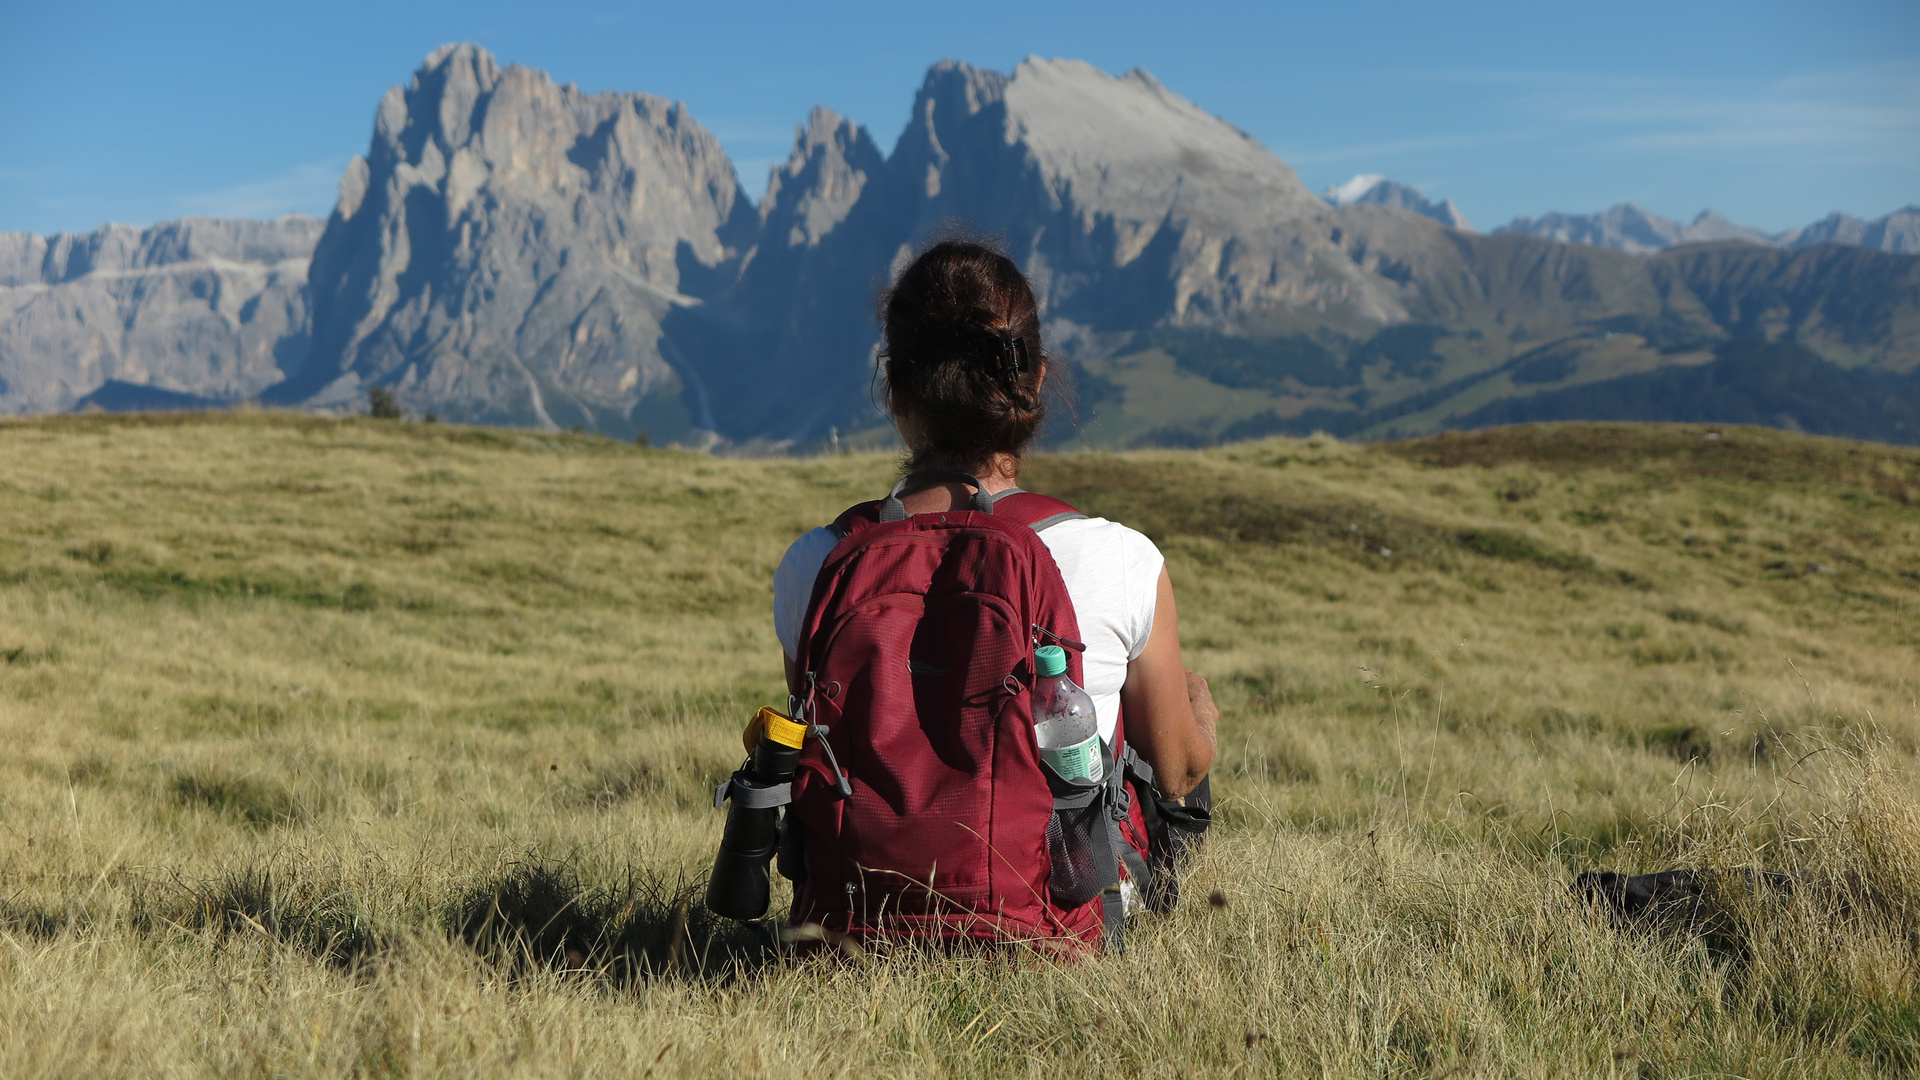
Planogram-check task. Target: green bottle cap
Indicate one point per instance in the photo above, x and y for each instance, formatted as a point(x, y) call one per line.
point(1052, 660)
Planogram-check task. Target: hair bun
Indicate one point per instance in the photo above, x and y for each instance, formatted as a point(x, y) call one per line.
point(963, 356)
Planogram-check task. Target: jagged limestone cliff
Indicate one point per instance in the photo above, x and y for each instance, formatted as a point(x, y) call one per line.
point(509, 248)
point(203, 307)
point(1129, 206)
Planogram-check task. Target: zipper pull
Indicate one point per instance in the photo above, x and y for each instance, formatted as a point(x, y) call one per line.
point(1039, 631)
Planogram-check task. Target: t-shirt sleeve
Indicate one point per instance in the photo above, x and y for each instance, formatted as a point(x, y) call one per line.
point(1142, 562)
point(793, 585)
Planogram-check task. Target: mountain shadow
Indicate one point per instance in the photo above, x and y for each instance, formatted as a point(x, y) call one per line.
point(1776, 384)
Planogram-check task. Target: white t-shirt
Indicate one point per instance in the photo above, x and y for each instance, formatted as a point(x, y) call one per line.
point(1112, 574)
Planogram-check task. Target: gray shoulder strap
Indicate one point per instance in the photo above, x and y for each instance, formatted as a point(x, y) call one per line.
point(1050, 521)
point(892, 509)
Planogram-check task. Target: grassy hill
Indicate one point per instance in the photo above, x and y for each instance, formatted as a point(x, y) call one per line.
point(369, 748)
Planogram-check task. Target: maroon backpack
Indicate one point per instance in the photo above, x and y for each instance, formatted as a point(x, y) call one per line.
point(920, 806)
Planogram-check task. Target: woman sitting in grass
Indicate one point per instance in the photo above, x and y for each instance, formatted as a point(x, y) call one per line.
point(937, 830)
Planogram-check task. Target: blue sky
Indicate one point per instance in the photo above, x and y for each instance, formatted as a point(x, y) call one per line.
point(1771, 113)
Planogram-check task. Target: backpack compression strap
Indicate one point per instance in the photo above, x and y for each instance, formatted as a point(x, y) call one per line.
point(1109, 802)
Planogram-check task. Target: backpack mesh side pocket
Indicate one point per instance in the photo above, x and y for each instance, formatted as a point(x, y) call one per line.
point(1070, 833)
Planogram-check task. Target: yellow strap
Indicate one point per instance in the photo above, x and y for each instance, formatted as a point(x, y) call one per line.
point(777, 726)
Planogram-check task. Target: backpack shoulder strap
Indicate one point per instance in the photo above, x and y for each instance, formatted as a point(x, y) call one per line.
point(855, 517)
point(891, 508)
point(1038, 512)
point(1014, 506)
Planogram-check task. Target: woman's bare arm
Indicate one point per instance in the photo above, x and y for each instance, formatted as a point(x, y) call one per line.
point(1170, 715)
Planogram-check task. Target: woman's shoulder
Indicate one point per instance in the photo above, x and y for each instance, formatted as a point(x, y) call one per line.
point(1101, 541)
point(1100, 530)
point(811, 546)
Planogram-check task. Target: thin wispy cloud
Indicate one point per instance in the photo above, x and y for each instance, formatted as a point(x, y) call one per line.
point(1369, 151)
point(1874, 110)
point(305, 189)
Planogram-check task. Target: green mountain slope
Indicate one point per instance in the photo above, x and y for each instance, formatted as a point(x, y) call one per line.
point(1496, 322)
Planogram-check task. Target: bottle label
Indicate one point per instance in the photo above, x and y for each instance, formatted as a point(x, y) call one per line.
point(1076, 764)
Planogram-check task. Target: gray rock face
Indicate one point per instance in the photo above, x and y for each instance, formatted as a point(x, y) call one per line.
point(509, 249)
point(810, 195)
point(1378, 190)
point(215, 309)
point(766, 346)
point(1128, 205)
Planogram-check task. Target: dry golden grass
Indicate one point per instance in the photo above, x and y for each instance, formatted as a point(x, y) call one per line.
point(366, 748)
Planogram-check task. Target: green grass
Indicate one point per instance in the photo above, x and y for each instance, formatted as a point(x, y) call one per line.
point(378, 749)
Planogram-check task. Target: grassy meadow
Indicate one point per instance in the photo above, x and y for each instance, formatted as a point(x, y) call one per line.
point(368, 748)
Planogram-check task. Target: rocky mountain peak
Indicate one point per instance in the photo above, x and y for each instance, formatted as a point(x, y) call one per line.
point(1627, 227)
point(1130, 146)
point(820, 182)
point(1898, 232)
point(958, 88)
point(508, 246)
point(1708, 227)
point(451, 83)
point(1376, 189)
point(1127, 204)
point(1623, 227)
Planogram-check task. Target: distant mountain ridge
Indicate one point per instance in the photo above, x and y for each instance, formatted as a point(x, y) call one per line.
point(1626, 227)
point(203, 307)
point(514, 251)
point(1374, 188)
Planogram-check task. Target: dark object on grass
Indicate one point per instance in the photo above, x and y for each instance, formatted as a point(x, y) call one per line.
point(1672, 894)
point(739, 886)
point(381, 405)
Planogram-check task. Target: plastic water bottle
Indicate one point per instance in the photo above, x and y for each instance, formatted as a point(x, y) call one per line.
point(1063, 721)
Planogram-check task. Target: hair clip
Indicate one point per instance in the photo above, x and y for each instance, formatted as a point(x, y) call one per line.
point(1013, 359)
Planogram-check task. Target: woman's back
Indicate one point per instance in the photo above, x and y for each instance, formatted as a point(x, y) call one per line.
point(1111, 572)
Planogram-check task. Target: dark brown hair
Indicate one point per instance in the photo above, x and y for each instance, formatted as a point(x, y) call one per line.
point(963, 356)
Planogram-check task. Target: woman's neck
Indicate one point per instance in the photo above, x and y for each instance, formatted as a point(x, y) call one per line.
point(1001, 473)
point(998, 474)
